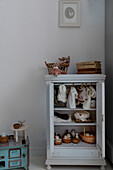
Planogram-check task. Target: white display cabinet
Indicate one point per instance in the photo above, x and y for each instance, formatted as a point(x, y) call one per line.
point(81, 153)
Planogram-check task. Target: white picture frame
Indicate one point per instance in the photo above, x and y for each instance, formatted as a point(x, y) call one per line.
point(69, 13)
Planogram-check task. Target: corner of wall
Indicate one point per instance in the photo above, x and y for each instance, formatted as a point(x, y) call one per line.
point(109, 150)
point(37, 151)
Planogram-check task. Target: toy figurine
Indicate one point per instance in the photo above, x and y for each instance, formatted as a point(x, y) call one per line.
point(56, 71)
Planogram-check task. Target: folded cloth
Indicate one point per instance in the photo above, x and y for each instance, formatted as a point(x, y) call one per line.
point(59, 120)
point(62, 116)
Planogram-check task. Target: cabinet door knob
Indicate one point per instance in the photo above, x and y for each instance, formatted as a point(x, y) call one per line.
point(24, 155)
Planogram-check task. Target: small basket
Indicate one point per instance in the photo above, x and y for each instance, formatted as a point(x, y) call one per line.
point(80, 121)
point(75, 140)
point(63, 66)
point(67, 140)
point(17, 125)
point(58, 143)
point(87, 139)
point(4, 139)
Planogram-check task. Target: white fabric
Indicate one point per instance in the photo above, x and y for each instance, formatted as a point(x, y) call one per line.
point(82, 115)
point(62, 93)
point(92, 91)
point(87, 104)
point(71, 103)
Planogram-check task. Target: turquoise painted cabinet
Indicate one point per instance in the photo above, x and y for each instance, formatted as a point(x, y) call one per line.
point(14, 155)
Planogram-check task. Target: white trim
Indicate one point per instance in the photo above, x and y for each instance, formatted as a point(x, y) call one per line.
point(103, 121)
point(37, 151)
point(76, 78)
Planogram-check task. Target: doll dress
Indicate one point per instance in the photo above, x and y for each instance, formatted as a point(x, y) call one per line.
point(71, 103)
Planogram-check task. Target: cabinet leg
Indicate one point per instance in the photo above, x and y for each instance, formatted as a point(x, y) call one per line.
point(26, 168)
point(102, 167)
point(48, 167)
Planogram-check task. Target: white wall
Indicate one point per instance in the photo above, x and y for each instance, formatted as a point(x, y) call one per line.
point(109, 78)
point(29, 35)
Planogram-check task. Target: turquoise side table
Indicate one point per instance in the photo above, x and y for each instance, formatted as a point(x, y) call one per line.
point(14, 154)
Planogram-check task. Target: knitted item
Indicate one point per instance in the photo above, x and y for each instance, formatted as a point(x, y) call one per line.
point(82, 95)
point(92, 91)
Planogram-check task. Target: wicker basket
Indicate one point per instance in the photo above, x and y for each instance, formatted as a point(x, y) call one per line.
point(82, 114)
point(75, 140)
point(80, 121)
point(58, 143)
point(88, 139)
point(4, 139)
point(63, 66)
point(89, 67)
point(67, 140)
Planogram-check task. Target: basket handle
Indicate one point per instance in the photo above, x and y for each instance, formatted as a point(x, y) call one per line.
point(84, 129)
point(92, 131)
point(46, 63)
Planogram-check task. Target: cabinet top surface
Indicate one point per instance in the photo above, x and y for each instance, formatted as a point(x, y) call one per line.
point(13, 144)
point(76, 77)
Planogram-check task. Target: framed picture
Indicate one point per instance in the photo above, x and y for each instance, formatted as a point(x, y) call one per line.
point(69, 13)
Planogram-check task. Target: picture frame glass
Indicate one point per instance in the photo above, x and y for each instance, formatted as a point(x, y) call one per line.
point(70, 13)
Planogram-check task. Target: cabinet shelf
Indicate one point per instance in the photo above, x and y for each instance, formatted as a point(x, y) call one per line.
point(74, 124)
point(67, 109)
point(79, 145)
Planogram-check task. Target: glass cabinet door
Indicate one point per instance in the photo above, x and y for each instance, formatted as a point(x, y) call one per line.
point(101, 117)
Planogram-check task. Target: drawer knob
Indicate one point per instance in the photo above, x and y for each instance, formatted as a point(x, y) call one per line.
point(24, 155)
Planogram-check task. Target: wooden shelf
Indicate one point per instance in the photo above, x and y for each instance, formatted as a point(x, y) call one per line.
point(74, 124)
point(67, 109)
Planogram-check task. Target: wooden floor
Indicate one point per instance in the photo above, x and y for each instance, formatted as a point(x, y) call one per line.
point(37, 163)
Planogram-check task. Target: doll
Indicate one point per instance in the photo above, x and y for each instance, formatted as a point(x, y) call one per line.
point(56, 71)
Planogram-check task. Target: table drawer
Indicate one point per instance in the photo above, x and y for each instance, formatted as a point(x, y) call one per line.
point(14, 153)
point(15, 163)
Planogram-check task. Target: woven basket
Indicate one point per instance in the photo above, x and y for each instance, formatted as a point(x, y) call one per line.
point(88, 139)
point(4, 139)
point(80, 121)
point(75, 140)
point(58, 143)
point(67, 140)
point(62, 66)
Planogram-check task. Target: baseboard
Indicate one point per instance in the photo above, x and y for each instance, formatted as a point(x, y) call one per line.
point(109, 150)
point(37, 151)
